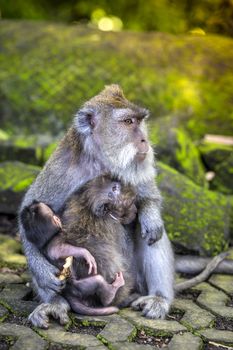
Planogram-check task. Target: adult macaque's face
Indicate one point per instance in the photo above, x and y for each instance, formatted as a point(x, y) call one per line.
point(124, 137)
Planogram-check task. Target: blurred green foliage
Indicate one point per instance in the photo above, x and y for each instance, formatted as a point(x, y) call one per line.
point(174, 16)
point(49, 70)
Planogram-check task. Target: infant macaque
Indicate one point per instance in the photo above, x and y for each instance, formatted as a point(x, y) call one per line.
point(100, 199)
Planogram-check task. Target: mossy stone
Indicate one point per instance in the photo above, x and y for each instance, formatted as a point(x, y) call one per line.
point(11, 252)
point(219, 159)
point(174, 147)
point(15, 177)
point(195, 218)
point(33, 149)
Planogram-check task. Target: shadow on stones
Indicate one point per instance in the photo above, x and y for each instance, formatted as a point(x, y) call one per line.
point(17, 319)
point(80, 328)
point(189, 294)
point(147, 339)
point(208, 346)
point(61, 347)
point(8, 224)
point(175, 314)
point(6, 342)
point(223, 323)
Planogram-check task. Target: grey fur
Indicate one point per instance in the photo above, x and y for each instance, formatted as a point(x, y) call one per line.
point(83, 156)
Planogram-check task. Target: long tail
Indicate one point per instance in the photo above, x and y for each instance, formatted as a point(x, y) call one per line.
point(82, 309)
point(195, 264)
point(203, 276)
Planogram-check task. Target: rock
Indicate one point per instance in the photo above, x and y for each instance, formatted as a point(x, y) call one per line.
point(11, 256)
point(185, 341)
point(15, 177)
point(58, 335)
point(3, 312)
point(219, 159)
point(34, 149)
point(195, 218)
point(165, 73)
point(8, 278)
point(117, 331)
point(174, 147)
point(15, 292)
point(158, 327)
point(194, 316)
point(25, 337)
point(215, 335)
point(131, 346)
point(222, 282)
point(214, 300)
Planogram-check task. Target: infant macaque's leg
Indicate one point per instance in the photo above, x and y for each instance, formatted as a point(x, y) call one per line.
point(98, 285)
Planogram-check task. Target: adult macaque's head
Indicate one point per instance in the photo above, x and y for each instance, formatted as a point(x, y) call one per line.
point(116, 128)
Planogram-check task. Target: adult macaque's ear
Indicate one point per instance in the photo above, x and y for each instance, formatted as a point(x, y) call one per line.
point(85, 120)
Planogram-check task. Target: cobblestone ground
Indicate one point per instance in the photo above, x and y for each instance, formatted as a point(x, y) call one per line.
point(201, 318)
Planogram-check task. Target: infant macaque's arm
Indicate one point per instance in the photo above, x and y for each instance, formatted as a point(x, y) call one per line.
point(58, 249)
point(40, 221)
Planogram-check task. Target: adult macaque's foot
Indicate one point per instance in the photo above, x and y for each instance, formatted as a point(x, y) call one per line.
point(119, 280)
point(40, 316)
point(60, 312)
point(152, 306)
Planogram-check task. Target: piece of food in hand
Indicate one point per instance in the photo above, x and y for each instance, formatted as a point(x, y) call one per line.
point(65, 273)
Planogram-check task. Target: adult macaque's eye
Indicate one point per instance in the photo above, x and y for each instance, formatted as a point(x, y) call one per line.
point(128, 121)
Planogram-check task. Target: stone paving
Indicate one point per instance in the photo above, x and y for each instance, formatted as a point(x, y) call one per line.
point(201, 318)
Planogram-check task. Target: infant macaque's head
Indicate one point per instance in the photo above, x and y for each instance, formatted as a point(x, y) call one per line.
point(107, 197)
point(39, 219)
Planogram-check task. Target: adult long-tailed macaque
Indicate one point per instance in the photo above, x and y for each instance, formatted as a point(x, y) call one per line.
point(102, 207)
point(108, 135)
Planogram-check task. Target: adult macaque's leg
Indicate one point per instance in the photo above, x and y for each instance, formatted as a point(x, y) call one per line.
point(155, 277)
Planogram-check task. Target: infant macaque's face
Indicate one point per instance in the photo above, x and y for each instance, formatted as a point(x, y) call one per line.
point(121, 205)
point(109, 198)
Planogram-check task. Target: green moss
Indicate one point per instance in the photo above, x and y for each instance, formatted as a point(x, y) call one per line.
point(219, 159)
point(188, 156)
point(11, 253)
point(33, 149)
point(174, 147)
point(132, 335)
point(197, 218)
point(7, 306)
point(3, 135)
point(16, 176)
point(104, 341)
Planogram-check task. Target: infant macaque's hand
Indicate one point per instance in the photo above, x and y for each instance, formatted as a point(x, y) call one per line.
point(90, 260)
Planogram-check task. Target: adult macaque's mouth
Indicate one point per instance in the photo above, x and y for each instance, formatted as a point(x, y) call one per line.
point(141, 155)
